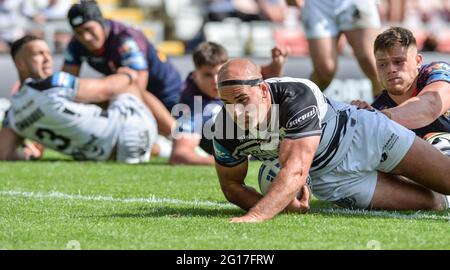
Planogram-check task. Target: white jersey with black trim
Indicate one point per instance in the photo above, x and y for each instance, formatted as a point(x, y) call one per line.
point(44, 111)
point(299, 109)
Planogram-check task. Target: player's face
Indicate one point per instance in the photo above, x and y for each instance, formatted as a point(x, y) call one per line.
point(398, 68)
point(36, 60)
point(248, 106)
point(91, 34)
point(206, 79)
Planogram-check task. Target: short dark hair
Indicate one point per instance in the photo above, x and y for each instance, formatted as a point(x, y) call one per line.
point(18, 44)
point(83, 12)
point(209, 54)
point(394, 36)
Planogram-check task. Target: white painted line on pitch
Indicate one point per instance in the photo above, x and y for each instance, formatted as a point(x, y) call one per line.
point(154, 200)
point(151, 199)
point(383, 214)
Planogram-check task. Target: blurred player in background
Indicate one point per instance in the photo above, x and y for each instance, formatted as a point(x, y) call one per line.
point(325, 20)
point(201, 87)
point(52, 109)
point(107, 45)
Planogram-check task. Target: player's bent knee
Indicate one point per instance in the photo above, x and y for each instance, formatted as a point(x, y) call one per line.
point(436, 202)
point(440, 202)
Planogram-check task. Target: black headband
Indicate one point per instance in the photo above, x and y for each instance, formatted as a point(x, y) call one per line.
point(240, 82)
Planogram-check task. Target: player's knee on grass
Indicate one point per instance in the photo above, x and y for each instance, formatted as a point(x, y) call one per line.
point(432, 201)
point(437, 202)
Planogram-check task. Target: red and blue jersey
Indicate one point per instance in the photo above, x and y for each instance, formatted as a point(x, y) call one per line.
point(428, 74)
point(127, 46)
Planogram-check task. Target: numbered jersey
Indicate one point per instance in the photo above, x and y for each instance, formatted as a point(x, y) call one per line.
point(44, 111)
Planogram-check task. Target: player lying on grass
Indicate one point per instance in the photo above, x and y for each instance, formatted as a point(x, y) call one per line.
point(53, 109)
point(200, 89)
point(355, 157)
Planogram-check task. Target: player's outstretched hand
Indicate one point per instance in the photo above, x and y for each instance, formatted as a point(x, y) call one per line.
point(247, 219)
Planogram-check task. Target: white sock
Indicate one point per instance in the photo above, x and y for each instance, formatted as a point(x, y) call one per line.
point(165, 146)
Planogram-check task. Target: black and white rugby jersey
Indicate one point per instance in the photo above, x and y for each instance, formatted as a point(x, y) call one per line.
point(299, 109)
point(45, 111)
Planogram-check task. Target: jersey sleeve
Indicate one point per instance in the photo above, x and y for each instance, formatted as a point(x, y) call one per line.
point(131, 55)
point(72, 55)
point(225, 147)
point(63, 83)
point(223, 155)
point(299, 114)
point(433, 72)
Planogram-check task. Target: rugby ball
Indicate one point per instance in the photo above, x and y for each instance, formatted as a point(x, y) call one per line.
point(440, 140)
point(268, 172)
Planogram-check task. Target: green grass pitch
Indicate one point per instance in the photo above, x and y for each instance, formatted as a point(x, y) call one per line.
point(57, 203)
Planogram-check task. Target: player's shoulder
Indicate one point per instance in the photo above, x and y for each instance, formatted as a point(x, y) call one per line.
point(292, 82)
point(225, 143)
point(293, 95)
point(122, 32)
point(225, 129)
point(435, 66)
point(57, 80)
point(282, 87)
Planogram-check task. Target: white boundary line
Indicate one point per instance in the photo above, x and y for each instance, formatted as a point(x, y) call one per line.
point(152, 199)
point(155, 200)
point(382, 214)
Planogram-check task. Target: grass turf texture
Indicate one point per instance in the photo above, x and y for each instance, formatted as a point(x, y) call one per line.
point(47, 203)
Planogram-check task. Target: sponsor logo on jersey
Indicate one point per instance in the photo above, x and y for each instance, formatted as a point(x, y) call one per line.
point(128, 46)
point(96, 59)
point(162, 57)
point(307, 113)
point(63, 79)
point(35, 116)
point(135, 61)
point(447, 114)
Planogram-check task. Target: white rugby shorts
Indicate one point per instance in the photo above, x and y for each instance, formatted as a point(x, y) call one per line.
point(378, 144)
point(138, 130)
point(327, 18)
